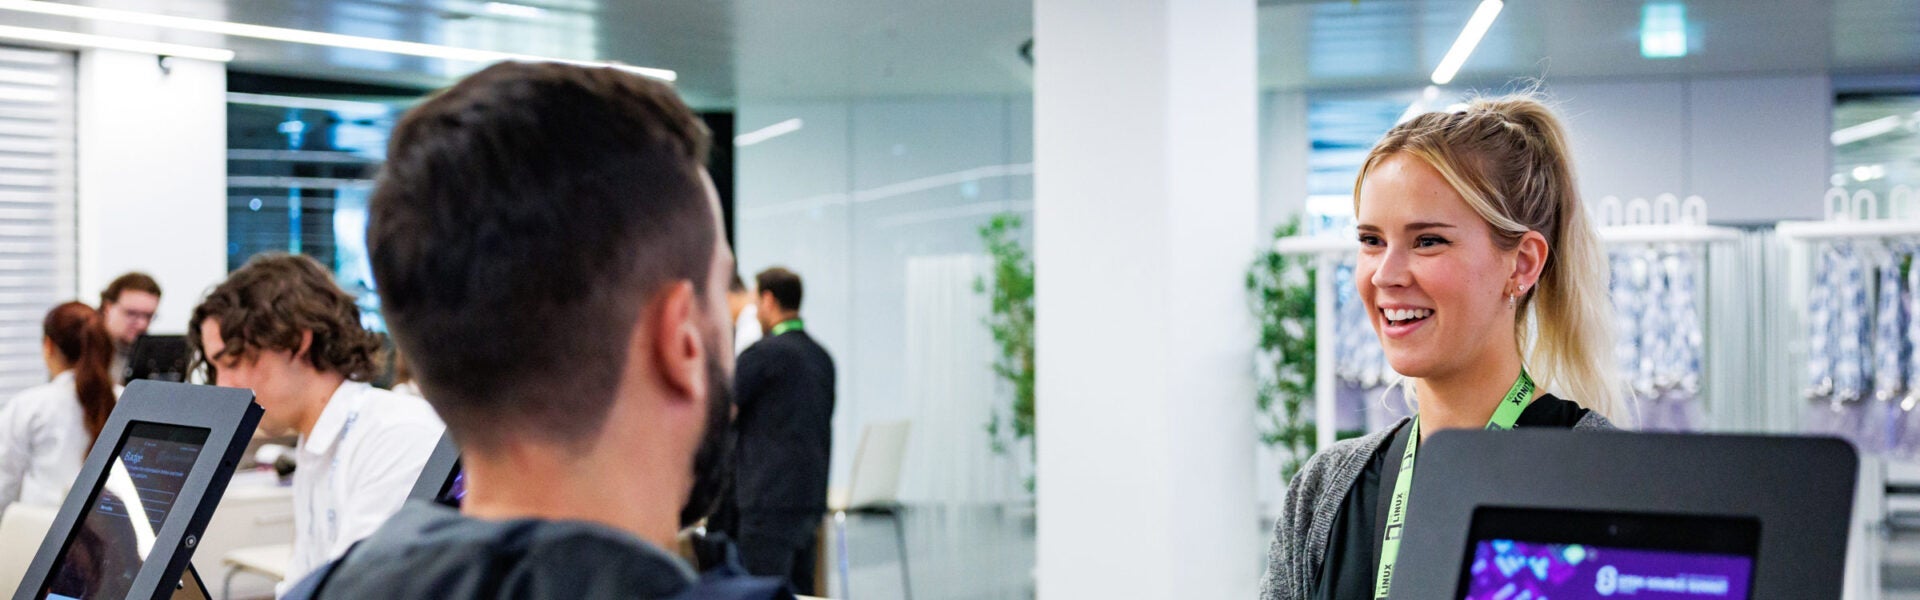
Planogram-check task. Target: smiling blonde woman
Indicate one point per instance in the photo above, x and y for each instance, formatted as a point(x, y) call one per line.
point(1486, 285)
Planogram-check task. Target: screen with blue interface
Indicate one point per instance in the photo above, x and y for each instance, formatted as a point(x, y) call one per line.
point(116, 535)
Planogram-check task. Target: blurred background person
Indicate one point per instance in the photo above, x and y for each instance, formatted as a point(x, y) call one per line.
point(128, 304)
point(47, 430)
point(281, 327)
point(784, 392)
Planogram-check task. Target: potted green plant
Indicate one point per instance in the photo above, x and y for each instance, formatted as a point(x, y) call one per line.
point(1280, 292)
point(1010, 294)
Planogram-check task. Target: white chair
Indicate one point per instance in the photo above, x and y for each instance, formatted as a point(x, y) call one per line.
point(22, 529)
point(267, 561)
point(874, 489)
point(256, 512)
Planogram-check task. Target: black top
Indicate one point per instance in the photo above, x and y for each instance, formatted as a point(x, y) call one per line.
point(783, 386)
point(1353, 553)
point(430, 551)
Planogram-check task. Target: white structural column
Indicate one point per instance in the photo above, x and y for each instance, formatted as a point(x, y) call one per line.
point(1146, 214)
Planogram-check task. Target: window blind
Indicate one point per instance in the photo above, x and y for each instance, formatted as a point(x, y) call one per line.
point(37, 201)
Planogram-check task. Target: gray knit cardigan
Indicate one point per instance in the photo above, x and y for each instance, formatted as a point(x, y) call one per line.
point(1313, 500)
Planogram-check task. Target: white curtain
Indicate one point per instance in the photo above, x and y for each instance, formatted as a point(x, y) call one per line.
point(952, 390)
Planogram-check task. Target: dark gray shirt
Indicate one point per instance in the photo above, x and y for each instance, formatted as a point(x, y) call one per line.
point(1313, 501)
point(1352, 559)
point(431, 551)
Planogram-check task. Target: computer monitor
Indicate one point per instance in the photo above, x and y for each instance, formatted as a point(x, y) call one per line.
point(441, 480)
point(158, 357)
point(150, 484)
point(1581, 515)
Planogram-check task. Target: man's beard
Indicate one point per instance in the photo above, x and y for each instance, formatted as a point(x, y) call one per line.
point(712, 463)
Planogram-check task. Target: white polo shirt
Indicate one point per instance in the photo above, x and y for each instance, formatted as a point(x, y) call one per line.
point(354, 470)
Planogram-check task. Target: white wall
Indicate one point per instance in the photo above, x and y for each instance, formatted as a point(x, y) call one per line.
point(152, 168)
point(1756, 148)
point(1284, 145)
point(1759, 149)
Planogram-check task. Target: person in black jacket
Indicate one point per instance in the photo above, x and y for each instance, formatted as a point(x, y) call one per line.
point(784, 392)
point(551, 260)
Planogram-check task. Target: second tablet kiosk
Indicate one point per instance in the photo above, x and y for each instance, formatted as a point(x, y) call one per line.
point(150, 484)
point(1571, 515)
point(441, 480)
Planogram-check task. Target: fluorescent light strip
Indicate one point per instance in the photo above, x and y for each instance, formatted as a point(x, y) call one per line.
point(68, 39)
point(766, 133)
point(514, 10)
point(1874, 128)
point(1419, 105)
point(301, 36)
point(1469, 38)
point(339, 106)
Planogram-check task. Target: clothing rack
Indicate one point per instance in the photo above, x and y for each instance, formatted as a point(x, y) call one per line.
point(1664, 220)
point(1889, 491)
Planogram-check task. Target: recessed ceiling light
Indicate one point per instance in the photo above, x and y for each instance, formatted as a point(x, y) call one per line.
point(1663, 30)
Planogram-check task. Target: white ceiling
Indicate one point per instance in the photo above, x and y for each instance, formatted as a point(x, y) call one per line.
point(725, 50)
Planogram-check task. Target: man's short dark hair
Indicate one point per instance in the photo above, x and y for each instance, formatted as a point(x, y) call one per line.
point(783, 284)
point(271, 301)
point(522, 220)
point(130, 282)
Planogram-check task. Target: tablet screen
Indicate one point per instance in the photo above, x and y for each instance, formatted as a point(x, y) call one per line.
point(116, 534)
point(1528, 554)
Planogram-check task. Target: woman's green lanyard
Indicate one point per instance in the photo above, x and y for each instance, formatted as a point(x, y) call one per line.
point(1503, 419)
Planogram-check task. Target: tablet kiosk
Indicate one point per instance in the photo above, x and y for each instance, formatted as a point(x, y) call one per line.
point(1585, 515)
point(441, 480)
point(150, 484)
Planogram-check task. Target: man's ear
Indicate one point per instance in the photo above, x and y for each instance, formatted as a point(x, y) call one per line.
point(673, 337)
point(306, 343)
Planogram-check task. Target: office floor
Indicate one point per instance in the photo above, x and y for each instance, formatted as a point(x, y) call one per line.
point(970, 553)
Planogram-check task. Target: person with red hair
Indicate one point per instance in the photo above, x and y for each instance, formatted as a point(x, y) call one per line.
point(47, 430)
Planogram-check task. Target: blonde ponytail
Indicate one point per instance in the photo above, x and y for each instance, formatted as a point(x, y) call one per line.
point(1508, 158)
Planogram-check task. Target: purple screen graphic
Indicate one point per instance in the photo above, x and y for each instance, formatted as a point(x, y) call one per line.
point(1514, 570)
point(456, 491)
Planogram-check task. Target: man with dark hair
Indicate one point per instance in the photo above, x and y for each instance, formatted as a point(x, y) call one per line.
point(785, 393)
point(746, 316)
point(280, 326)
point(128, 303)
point(550, 259)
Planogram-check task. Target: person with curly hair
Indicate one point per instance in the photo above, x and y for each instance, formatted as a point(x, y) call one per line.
point(280, 326)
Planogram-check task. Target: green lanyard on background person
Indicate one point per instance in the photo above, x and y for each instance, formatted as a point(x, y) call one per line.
point(1503, 419)
point(789, 325)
